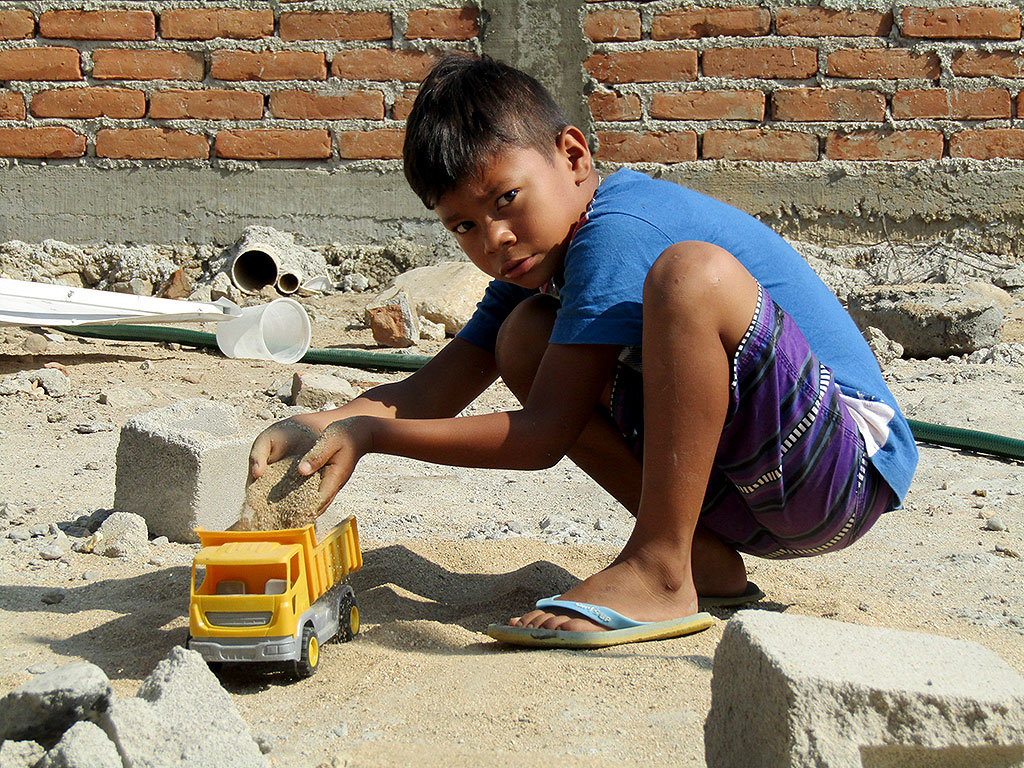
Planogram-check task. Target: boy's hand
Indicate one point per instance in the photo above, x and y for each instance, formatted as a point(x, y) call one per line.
point(337, 450)
point(285, 438)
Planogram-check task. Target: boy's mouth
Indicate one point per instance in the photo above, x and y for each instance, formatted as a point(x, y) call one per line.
point(517, 268)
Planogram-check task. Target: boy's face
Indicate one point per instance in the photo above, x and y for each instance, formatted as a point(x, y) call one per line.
point(514, 219)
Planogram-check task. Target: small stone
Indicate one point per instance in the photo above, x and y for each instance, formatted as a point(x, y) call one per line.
point(515, 526)
point(545, 522)
point(55, 417)
point(41, 529)
point(995, 524)
point(56, 338)
point(392, 319)
point(340, 730)
point(35, 344)
point(599, 524)
point(51, 552)
point(980, 492)
point(19, 535)
point(53, 596)
point(91, 427)
point(866, 607)
point(265, 742)
point(430, 330)
point(157, 561)
point(355, 281)
point(1006, 551)
point(42, 668)
point(146, 365)
point(159, 541)
point(91, 575)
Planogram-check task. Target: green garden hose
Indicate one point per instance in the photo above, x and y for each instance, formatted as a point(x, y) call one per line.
point(924, 432)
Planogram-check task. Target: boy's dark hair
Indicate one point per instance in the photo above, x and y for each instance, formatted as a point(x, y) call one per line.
point(466, 110)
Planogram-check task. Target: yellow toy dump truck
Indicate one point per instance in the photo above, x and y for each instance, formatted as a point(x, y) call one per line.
point(273, 596)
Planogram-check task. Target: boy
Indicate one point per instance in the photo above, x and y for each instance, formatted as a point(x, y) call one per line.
point(755, 420)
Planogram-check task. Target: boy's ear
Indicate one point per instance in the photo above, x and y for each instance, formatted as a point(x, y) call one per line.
point(571, 145)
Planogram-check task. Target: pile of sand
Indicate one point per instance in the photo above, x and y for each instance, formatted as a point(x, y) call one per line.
point(281, 498)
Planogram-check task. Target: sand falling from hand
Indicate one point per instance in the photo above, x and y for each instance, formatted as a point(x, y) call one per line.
point(281, 497)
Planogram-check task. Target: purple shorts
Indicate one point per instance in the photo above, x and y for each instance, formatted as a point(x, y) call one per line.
point(791, 477)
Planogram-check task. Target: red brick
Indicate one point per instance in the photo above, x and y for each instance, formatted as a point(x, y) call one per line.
point(883, 63)
point(381, 64)
point(151, 144)
point(643, 66)
point(689, 24)
point(121, 64)
point(760, 62)
point(814, 21)
point(884, 145)
point(988, 143)
point(612, 26)
point(818, 104)
point(16, 25)
point(757, 144)
point(210, 23)
point(335, 105)
point(274, 144)
point(97, 25)
point(960, 23)
point(50, 142)
point(205, 104)
point(708, 105)
point(12, 106)
point(957, 105)
point(385, 143)
point(988, 64)
point(40, 64)
point(403, 105)
point(268, 65)
point(608, 105)
point(442, 24)
point(320, 25)
point(90, 102)
point(652, 147)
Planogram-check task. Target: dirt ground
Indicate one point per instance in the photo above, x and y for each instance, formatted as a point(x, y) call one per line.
point(449, 550)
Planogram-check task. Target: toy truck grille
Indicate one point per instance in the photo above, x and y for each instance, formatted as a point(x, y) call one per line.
point(239, 618)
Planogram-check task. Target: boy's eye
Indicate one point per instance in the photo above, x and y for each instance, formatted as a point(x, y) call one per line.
point(508, 197)
point(462, 227)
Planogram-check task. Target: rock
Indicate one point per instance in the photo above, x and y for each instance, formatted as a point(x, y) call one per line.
point(221, 287)
point(392, 319)
point(20, 754)
point(202, 293)
point(181, 716)
point(39, 529)
point(355, 281)
point(315, 390)
point(929, 319)
point(91, 575)
point(1012, 281)
point(137, 286)
point(159, 541)
point(46, 706)
point(51, 552)
point(430, 330)
point(125, 397)
point(178, 286)
point(445, 293)
point(995, 524)
point(53, 596)
point(91, 427)
point(884, 349)
point(50, 380)
point(83, 745)
point(35, 344)
point(123, 535)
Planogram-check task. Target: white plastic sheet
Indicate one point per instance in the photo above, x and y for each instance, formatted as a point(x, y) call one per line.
point(23, 302)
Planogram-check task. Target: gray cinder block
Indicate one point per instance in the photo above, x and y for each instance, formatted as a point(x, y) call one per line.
point(793, 691)
point(182, 466)
point(182, 717)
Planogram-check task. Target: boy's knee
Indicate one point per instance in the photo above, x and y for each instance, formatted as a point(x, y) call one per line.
point(689, 274)
point(522, 339)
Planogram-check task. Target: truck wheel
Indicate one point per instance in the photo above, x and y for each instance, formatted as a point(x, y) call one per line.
point(348, 618)
point(309, 657)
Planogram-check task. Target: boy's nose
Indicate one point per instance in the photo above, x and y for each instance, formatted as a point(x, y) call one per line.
point(499, 235)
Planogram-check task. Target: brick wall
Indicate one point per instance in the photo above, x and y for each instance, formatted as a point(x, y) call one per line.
point(789, 82)
point(331, 82)
point(215, 81)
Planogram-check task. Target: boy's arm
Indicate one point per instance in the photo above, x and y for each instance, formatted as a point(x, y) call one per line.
point(451, 380)
point(565, 392)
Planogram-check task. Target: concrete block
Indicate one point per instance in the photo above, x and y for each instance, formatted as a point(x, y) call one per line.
point(20, 754)
point(929, 319)
point(182, 716)
point(792, 691)
point(182, 466)
point(84, 745)
point(44, 707)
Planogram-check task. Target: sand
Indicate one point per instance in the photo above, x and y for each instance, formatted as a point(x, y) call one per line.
point(422, 682)
point(281, 498)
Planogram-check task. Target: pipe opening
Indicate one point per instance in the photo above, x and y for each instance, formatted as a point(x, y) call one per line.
point(288, 282)
point(253, 269)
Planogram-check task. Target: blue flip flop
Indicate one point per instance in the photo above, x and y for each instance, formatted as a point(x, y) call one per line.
point(621, 629)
